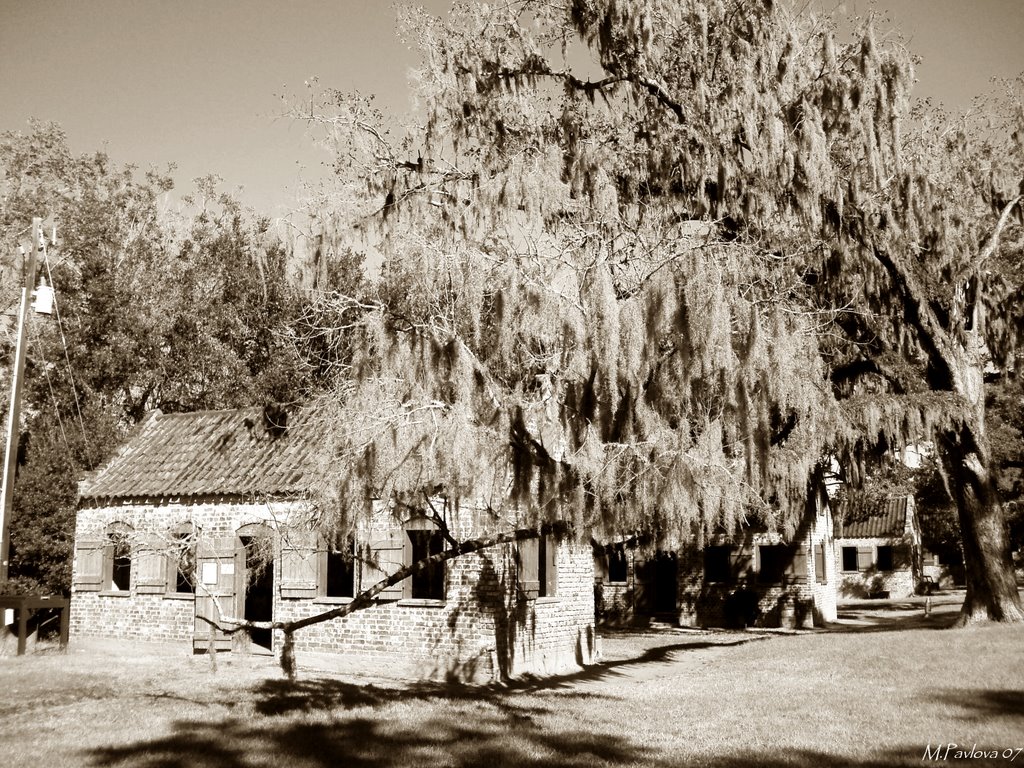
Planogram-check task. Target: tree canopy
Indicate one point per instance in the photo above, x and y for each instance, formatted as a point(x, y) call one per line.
point(180, 307)
point(647, 262)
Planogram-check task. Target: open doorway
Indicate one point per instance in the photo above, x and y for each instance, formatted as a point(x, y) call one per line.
point(657, 584)
point(257, 546)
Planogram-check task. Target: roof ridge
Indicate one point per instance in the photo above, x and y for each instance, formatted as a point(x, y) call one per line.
point(209, 411)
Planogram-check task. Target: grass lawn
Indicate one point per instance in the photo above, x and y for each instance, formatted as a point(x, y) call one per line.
point(858, 698)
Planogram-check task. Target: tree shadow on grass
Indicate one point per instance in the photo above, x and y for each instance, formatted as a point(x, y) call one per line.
point(282, 697)
point(317, 722)
point(898, 618)
point(331, 722)
point(490, 740)
point(498, 739)
point(985, 704)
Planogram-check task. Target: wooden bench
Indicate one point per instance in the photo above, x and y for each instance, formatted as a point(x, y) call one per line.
point(25, 605)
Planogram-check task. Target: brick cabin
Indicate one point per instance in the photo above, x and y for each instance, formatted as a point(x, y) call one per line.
point(880, 554)
point(203, 509)
point(754, 578)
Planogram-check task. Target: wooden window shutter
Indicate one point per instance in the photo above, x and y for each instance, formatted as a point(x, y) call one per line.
point(529, 567)
point(740, 558)
point(819, 563)
point(89, 565)
point(299, 564)
point(865, 558)
point(902, 555)
point(220, 565)
point(384, 555)
point(152, 565)
point(205, 548)
point(549, 553)
point(108, 565)
point(798, 565)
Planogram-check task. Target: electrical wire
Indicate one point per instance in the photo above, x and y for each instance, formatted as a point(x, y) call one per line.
point(67, 358)
point(53, 398)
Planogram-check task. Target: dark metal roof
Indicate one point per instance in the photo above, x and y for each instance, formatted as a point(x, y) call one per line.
point(888, 521)
point(242, 452)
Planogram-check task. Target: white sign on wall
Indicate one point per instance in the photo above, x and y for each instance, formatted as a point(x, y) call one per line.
point(209, 573)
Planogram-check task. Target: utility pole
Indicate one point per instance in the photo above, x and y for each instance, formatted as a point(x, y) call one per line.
point(14, 414)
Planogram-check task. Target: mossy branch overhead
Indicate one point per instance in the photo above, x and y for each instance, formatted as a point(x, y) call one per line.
point(646, 263)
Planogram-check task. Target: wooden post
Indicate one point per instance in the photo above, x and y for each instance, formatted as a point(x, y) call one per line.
point(65, 625)
point(14, 413)
point(22, 628)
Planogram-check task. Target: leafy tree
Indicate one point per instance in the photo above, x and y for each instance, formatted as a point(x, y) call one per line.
point(936, 512)
point(107, 223)
point(551, 343)
point(334, 286)
point(46, 498)
point(225, 302)
point(554, 334)
point(178, 310)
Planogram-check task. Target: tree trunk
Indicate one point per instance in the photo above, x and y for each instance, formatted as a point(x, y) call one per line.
point(992, 593)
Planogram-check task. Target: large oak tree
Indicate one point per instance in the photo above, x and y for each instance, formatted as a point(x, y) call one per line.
point(555, 336)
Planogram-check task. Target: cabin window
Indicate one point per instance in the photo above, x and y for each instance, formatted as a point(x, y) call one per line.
point(428, 583)
point(771, 563)
point(883, 558)
point(849, 558)
point(117, 559)
point(617, 564)
point(718, 564)
point(183, 561)
point(339, 570)
point(858, 558)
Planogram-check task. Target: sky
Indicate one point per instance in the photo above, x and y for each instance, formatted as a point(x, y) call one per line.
point(198, 83)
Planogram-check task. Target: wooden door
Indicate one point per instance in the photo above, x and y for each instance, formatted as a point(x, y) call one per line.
point(216, 585)
point(656, 584)
point(666, 582)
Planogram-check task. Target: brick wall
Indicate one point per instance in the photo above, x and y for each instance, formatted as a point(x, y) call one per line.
point(868, 580)
point(823, 586)
point(801, 598)
point(159, 616)
point(796, 600)
point(615, 601)
point(485, 628)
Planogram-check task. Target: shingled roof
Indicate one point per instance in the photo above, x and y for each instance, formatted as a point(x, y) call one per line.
point(242, 452)
point(888, 521)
